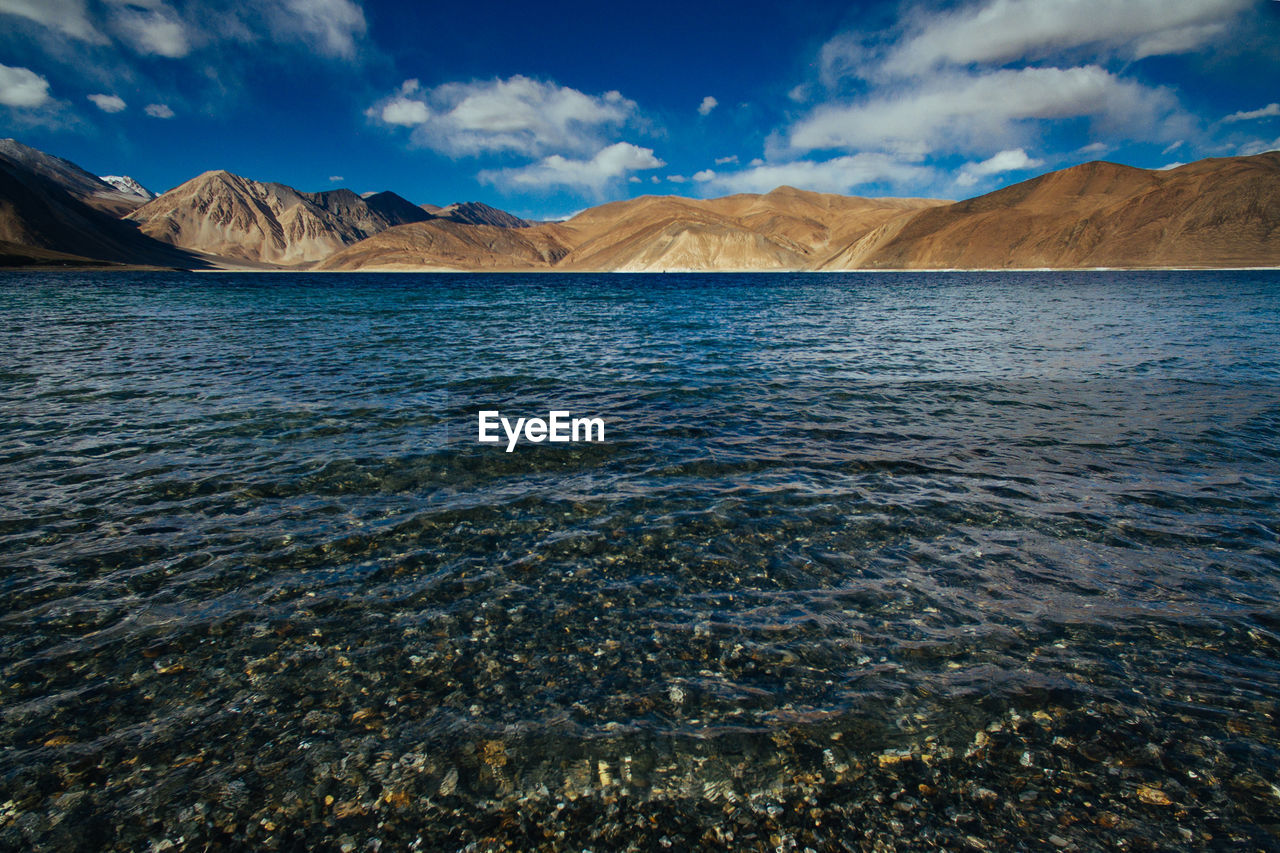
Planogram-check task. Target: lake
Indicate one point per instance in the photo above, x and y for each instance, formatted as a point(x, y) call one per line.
point(971, 560)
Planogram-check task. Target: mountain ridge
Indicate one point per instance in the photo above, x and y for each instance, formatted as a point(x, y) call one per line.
point(224, 214)
point(1217, 212)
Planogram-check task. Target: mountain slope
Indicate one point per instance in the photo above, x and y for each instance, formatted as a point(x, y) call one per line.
point(440, 244)
point(1213, 213)
point(394, 209)
point(225, 214)
point(783, 229)
point(72, 179)
point(478, 213)
point(39, 217)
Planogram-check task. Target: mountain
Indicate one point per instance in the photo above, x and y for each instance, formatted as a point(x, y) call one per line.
point(72, 179)
point(477, 213)
point(224, 214)
point(394, 209)
point(784, 229)
point(42, 223)
point(441, 244)
point(128, 186)
point(1222, 212)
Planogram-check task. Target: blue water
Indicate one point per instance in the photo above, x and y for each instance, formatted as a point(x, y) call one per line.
point(941, 556)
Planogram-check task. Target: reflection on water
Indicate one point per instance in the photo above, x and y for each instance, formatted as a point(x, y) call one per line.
point(968, 561)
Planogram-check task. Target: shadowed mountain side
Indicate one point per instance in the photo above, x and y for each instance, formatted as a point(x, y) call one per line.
point(478, 213)
point(224, 214)
point(1212, 213)
point(440, 244)
point(38, 217)
point(394, 209)
point(72, 179)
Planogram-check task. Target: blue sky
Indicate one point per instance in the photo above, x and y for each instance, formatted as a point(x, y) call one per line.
point(544, 109)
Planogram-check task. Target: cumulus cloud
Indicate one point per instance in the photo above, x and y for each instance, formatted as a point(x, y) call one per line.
point(1011, 160)
point(518, 115)
point(1266, 112)
point(594, 174)
point(108, 103)
point(69, 17)
point(1094, 148)
point(159, 111)
point(22, 87)
point(403, 108)
point(975, 111)
point(677, 179)
point(705, 175)
point(708, 104)
point(838, 175)
point(724, 161)
point(999, 31)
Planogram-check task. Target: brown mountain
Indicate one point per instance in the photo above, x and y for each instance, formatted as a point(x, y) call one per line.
point(784, 229)
point(1213, 213)
point(72, 179)
point(224, 214)
point(41, 223)
point(441, 244)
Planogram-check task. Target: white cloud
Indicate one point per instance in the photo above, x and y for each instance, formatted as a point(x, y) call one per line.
point(108, 103)
point(159, 111)
point(405, 112)
point(336, 179)
point(708, 104)
point(999, 31)
point(1094, 148)
point(1011, 160)
point(150, 27)
point(329, 26)
point(518, 115)
point(1266, 112)
point(967, 112)
point(594, 174)
point(705, 175)
point(724, 161)
point(70, 17)
point(677, 179)
point(22, 87)
point(839, 175)
point(1167, 166)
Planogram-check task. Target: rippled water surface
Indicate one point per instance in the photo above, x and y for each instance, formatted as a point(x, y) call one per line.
point(968, 561)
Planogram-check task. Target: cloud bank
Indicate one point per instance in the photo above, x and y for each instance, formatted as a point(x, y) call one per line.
point(518, 115)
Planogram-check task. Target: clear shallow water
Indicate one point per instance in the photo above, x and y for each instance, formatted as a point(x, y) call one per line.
point(885, 559)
